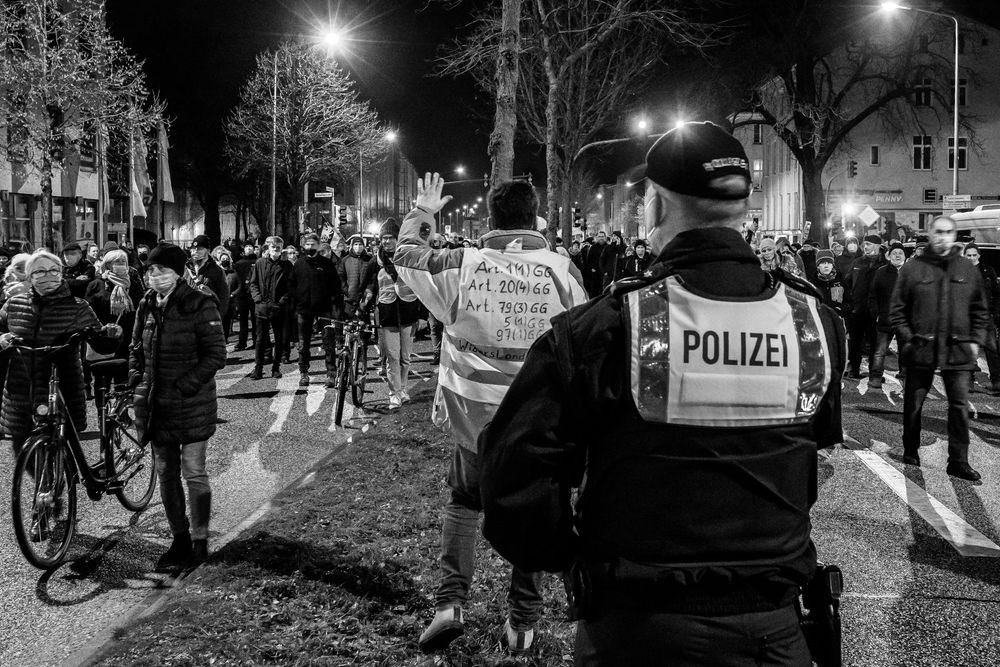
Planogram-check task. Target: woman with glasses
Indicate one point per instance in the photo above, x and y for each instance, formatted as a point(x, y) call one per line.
point(39, 317)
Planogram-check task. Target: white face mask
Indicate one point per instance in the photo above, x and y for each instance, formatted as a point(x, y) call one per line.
point(164, 282)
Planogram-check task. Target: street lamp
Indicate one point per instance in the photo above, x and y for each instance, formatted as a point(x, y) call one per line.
point(460, 170)
point(889, 6)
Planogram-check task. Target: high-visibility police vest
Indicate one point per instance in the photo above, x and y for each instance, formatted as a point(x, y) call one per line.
point(721, 363)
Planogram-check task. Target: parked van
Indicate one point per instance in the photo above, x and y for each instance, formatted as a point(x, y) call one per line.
point(982, 223)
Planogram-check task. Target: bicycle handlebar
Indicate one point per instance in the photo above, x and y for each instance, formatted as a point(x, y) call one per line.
point(74, 338)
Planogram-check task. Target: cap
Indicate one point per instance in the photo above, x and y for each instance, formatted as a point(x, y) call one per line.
point(824, 256)
point(389, 228)
point(168, 255)
point(896, 245)
point(689, 157)
point(873, 238)
point(202, 241)
point(72, 247)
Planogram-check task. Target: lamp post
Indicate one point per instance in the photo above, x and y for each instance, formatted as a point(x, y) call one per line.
point(954, 131)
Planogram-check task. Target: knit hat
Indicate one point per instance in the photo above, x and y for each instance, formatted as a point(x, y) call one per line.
point(689, 157)
point(873, 238)
point(201, 241)
point(824, 256)
point(389, 228)
point(894, 245)
point(168, 255)
point(110, 245)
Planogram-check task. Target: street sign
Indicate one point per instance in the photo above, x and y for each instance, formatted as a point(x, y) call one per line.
point(958, 201)
point(329, 189)
point(869, 216)
point(323, 195)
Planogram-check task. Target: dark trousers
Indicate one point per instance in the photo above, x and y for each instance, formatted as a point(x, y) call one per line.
point(291, 334)
point(623, 637)
point(437, 333)
point(305, 323)
point(244, 313)
point(860, 331)
point(876, 369)
point(275, 323)
point(990, 350)
point(956, 388)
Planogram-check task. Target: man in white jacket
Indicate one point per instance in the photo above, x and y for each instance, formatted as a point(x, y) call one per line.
point(494, 301)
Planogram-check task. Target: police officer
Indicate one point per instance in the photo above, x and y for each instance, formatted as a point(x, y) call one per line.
point(692, 400)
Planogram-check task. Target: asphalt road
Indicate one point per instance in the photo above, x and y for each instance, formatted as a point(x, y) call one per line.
point(920, 550)
point(271, 432)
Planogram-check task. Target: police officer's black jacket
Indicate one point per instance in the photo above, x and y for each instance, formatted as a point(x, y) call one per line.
point(719, 509)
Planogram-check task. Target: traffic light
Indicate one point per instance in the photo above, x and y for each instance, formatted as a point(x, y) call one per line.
point(852, 168)
point(577, 218)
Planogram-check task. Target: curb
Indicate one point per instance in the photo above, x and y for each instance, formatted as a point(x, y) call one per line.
point(94, 650)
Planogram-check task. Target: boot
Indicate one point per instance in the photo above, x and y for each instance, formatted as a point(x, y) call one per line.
point(177, 555)
point(874, 383)
point(518, 641)
point(257, 374)
point(446, 627)
point(963, 471)
point(199, 553)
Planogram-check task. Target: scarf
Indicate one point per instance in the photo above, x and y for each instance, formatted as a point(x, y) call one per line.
point(120, 300)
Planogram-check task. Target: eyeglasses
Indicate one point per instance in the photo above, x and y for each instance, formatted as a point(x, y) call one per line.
point(54, 271)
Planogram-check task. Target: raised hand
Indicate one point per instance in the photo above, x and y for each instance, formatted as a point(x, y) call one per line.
point(429, 193)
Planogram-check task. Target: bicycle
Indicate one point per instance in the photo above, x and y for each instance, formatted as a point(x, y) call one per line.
point(52, 461)
point(348, 340)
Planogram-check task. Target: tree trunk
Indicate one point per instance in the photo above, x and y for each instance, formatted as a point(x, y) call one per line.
point(48, 231)
point(566, 223)
point(501, 147)
point(553, 165)
point(815, 204)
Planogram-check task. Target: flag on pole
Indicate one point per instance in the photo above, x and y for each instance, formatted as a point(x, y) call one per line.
point(140, 184)
point(163, 166)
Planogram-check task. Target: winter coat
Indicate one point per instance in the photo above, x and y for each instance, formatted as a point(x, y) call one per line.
point(176, 351)
point(780, 261)
point(938, 307)
point(880, 295)
point(235, 284)
point(991, 288)
point(635, 266)
point(315, 285)
point(859, 280)
point(99, 297)
point(39, 321)
point(269, 286)
point(612, 259)
point(241, 295)
point(78, 277)
point(353, 271)
point(592, 276)
point(833, 291)
point(844, 261)
point(211, 275)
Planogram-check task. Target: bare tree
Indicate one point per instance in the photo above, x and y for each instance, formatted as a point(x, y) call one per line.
point(501, 148)
point(581, 63)
point(322, 127)
point(819, 70)
point(65, 78)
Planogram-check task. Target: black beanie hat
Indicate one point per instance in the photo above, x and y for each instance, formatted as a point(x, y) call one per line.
point(168, 255)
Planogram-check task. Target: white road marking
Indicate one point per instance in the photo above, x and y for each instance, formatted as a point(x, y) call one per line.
point(281, 405)
point(226, 381)
point(314, 397)
point(964, 538)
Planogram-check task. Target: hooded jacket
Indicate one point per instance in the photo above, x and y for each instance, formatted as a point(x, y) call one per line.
point(495, 302)
point(938, 308)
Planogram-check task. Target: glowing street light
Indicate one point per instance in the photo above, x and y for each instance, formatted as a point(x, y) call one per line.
point(642, 124)
point(893, 6)
point(332, 38)
point(679, 124)
point(390, 135)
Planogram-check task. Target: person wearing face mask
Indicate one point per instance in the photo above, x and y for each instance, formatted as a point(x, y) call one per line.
point(177, 348)
point(78, 271)
point(15, 278)
point(206, 271)
point(879, 300)
point(234, 284)
point(139, 260)
point(861, 323)
point(612, 259)
point(39, 317)
point(637, 264)
point(830, 283)
point(771, 260)
point(991, 289)
point(353, 270)
point(269, 289)
point(315, 289)
point(845, 258)
point(115, 294)
point(940, 314)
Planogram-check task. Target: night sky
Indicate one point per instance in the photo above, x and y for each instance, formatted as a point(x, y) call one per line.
point(198, 53)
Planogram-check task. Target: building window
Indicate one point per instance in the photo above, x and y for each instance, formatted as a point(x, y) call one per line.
point(758, 173)
point(930, 195)
point(963, 86)
point(922, 93)
point(758, 134)
point(922, 151)
point(874, 155)
point(963, 150)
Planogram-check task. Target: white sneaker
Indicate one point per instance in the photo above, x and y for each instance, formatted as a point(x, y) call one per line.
point(518, 641)
point(394, 401)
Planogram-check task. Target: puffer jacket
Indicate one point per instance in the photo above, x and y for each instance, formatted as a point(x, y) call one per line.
point(41, 320)
point(176, 351)
point(938, 308)
point(353, 271)
point(99, 297)
point(494, 302)
point(211, 275)
point(78, 277)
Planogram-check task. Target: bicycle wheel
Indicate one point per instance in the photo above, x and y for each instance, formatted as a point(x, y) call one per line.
point(359, 376)
point(43, 502)
point(132, 460)
point(343, 370)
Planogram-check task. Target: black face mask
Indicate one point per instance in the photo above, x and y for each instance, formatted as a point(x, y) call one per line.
point(310, 251)
point(143, 255)
point(225, 263)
